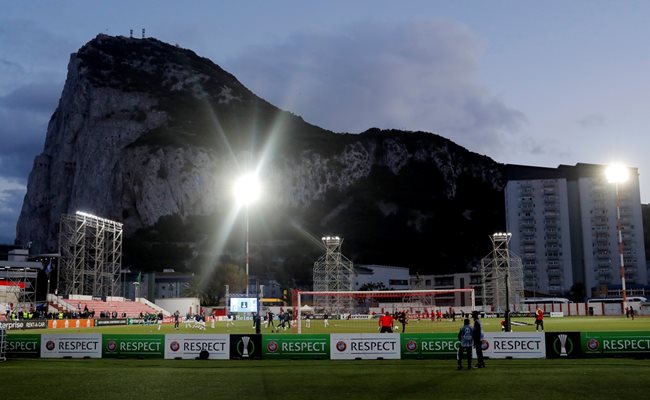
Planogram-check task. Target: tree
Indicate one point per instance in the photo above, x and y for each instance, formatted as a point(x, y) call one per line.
point(371, 286)
point(201, 289)
point(231, 275)
point(210, 287)
point(577, 292)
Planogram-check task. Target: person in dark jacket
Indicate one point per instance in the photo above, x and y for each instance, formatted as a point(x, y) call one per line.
point(478, 339)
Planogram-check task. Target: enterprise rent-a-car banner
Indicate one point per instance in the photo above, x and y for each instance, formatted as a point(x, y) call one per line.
point(74, 346)
point(365, 346)
point(190, 346)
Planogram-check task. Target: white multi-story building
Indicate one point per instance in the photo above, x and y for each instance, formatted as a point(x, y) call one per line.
point(463, 280)
point(392, 278)
point(564, 227)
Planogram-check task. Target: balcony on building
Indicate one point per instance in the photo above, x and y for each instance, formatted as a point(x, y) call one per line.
point(599, 221)
point(527, 224)
point(550, 222)
point(528, 240)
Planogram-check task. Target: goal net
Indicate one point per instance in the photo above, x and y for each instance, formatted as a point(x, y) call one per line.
point(358, 311)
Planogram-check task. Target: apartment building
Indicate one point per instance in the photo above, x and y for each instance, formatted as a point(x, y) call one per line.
point(564, 227)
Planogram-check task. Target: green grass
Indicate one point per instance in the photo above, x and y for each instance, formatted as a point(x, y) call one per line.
point(559, 379)
point(566, 324)
point(313, 380)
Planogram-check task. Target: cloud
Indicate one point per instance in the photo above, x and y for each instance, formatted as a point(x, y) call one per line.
point(32, 69)
point(31, 54)
point(12, 192)
point(413, 76)
point(39, 97)
point(22, 134)
point(592, 121)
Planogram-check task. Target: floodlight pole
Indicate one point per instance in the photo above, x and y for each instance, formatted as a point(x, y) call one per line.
point(507, 313)
point(618, 174)
point(246, 217)
point(619, 228)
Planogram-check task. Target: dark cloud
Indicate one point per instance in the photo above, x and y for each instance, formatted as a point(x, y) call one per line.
point(12, 193)
point(22, 134)
point(414, 76)
point(39, 97)
point(8, 66)
point(32, 68)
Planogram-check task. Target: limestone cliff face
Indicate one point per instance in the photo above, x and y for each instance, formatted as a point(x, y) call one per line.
point(152, 135)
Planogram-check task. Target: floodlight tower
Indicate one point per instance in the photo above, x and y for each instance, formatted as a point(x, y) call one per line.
point(333, 272)
point(91, 255)
point(618, 174)
point(502, 276)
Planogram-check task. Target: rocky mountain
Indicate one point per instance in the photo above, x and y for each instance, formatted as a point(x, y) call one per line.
point(152, 135)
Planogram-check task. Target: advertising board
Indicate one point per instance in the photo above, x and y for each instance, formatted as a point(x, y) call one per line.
point(24, 324)
point(615, 343)
point(367, 346)
point(563, 344)
point(23, 345)
point(190, 346)
point(296, 346)
point(71, 346)
point(132, 346)
point(245, 347)
point(514, 345)
point(70, 323)
point(429, 345)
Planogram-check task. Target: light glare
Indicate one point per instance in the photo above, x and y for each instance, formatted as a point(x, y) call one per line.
point(617, 173)
point(247, 189)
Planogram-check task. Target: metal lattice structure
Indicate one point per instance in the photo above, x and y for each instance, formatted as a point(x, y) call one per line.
point(333, 272)
point(501, 270)
point(91, 255)
point(3, 344)
point(19, 284)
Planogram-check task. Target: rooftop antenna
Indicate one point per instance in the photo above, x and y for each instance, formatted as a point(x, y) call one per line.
point(143, 33)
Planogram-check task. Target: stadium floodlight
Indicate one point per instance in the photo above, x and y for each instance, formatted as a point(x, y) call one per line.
point(618, 174)
point(501, 234)
point(247, 190)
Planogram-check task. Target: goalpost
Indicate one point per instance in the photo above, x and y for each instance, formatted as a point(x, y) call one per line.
point(417, 305)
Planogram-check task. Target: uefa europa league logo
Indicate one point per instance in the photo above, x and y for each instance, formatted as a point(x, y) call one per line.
point(245, 340)
point(562, 338)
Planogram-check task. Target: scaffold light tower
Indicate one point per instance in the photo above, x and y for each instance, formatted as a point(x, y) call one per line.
point(333, 272)
point(91, 255)
point(501, 273)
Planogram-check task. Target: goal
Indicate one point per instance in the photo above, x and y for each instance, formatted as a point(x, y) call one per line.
point(357, 311)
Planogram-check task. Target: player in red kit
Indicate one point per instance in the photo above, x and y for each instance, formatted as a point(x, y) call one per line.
point(386, 323)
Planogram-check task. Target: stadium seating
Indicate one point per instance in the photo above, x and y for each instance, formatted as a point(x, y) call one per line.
point(131, 308)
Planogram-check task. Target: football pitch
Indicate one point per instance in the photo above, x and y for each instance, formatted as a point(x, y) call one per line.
point(108, 379)
point(564, 324)
point(156, 379)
